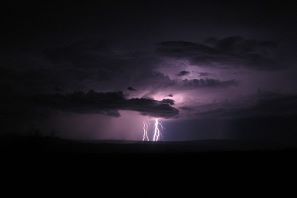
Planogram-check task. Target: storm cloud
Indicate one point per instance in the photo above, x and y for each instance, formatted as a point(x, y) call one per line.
point(108, 103)
point(234, 51)
point(183, 73)
point(190, 61)
point(208, 83)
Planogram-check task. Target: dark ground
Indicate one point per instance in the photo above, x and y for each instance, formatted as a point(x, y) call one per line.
point(31, 145)
point(121, 162)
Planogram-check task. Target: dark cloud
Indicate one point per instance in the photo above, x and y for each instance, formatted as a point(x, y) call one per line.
point(78, 63)
point(227, 52)
point(154, 79)
point(237, 44)
point(160, 80)
point(208, 83)
point(47, 80)
point(183, 73)
point(131, 89)
point(203, 74)
point(106, 103)
point(168, 101)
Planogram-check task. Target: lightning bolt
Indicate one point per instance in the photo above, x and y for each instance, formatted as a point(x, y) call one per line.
point(157, 131)
point(145, 130)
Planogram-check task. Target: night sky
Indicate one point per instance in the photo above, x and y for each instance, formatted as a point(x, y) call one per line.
point(205, 69)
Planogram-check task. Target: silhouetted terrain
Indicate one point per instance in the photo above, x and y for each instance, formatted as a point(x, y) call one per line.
point(51, 145)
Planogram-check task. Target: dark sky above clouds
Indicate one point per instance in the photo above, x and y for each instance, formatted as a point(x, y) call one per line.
point(207, 69)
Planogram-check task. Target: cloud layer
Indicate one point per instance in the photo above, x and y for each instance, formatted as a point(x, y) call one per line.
point(234, 51)
point(108, 103)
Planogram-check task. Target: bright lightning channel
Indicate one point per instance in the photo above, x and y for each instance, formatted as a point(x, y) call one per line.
point(156, 131)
